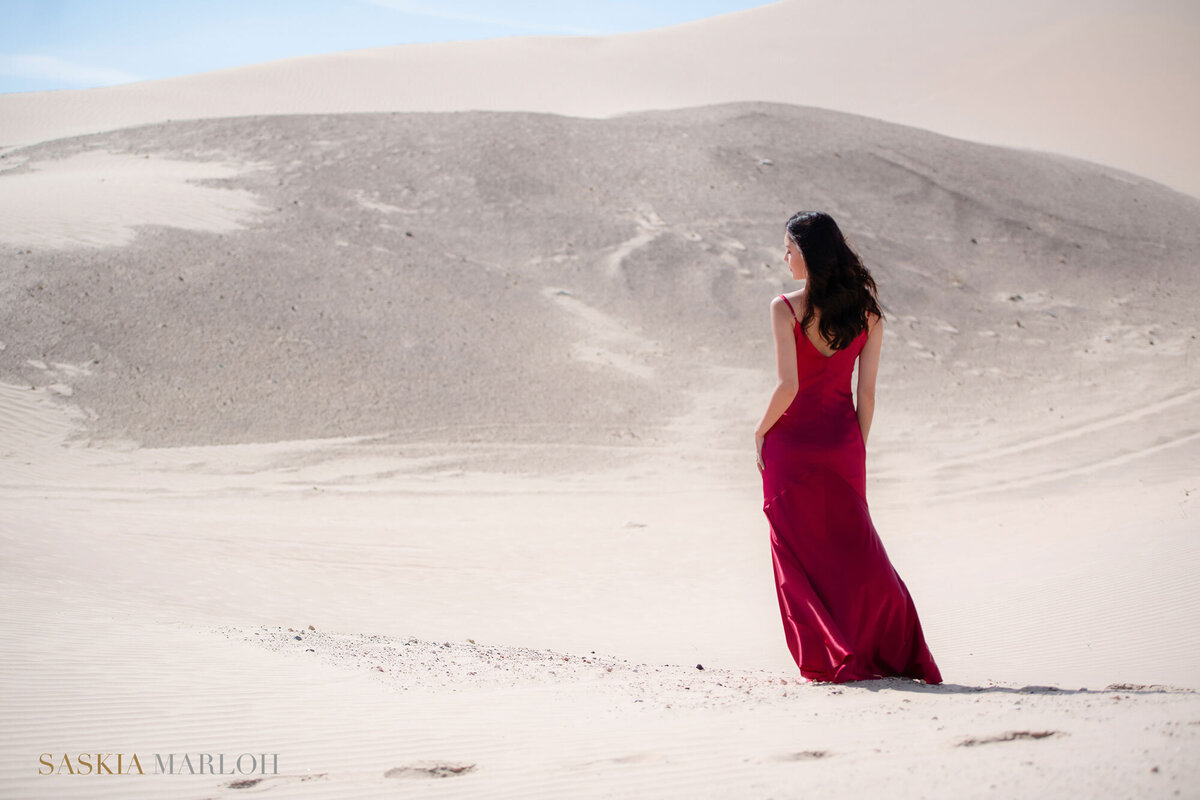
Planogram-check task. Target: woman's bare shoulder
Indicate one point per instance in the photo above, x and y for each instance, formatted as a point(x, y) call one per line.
point(789, 301)
point(873, 321)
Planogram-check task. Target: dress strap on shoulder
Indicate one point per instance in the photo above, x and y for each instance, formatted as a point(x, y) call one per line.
point(789, 302)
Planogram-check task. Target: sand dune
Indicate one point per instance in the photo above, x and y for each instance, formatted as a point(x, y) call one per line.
point(470, 395)
point(526, 278)
point(414, 449)
point(1110, 82)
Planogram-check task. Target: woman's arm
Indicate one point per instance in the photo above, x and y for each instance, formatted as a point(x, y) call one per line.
point(868, 369)
point(782, 323)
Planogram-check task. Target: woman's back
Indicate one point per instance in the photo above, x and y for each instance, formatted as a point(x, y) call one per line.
point(820, 426)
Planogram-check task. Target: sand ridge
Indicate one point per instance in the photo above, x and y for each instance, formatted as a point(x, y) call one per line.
point(331, 314)
point(1109, 82)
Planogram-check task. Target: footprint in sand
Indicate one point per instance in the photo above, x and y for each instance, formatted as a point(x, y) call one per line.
point(1009, 737)
point(803, 755)
point(636, 758)
point(263, 784)
point(429, 769)
point(632, 758)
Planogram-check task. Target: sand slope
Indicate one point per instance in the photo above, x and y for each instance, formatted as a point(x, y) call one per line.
point(471, 395)
point(1110, 82)
point(530, 278)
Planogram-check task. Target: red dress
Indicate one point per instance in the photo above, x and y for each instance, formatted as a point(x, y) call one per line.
point(847, 615)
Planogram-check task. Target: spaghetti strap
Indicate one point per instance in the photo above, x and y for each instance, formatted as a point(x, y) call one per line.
point(789, 302)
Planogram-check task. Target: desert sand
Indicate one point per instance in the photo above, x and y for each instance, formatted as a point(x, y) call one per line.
point(1109, 81)
point(414, 450)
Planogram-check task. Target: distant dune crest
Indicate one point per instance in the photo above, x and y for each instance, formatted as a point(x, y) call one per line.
point(1110, 82)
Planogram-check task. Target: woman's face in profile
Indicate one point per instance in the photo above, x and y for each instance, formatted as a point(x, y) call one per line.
point(794, 259)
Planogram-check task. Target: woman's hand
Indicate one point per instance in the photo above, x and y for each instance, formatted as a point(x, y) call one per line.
point(758, 445)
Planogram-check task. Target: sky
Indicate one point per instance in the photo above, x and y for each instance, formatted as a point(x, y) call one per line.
point(80, 44)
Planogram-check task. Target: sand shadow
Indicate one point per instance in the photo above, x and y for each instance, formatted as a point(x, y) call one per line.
point(917, 687)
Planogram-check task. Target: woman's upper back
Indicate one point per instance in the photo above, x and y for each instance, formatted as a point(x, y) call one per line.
point(797, 302)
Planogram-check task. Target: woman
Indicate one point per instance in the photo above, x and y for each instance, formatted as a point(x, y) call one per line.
point(847, 615)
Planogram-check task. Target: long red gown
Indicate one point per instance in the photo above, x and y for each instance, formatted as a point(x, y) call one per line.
point(847, 615)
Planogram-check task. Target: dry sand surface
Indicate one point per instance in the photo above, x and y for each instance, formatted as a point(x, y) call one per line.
point(1111, 81)
point(415, 449)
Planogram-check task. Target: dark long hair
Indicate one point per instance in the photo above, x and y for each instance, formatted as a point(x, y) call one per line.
point(838, 283)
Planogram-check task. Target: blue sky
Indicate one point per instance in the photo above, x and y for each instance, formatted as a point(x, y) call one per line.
point(75, 44)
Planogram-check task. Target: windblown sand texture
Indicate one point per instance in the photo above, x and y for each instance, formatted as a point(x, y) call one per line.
point(1112, 81)
point(416, 448)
